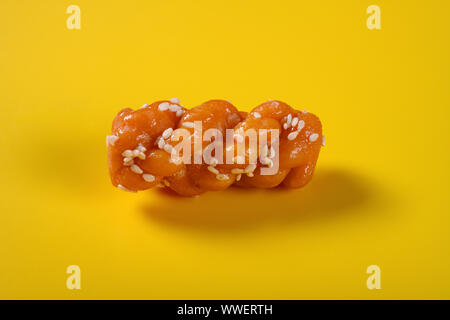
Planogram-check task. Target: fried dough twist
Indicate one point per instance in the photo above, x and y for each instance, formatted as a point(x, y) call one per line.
point(142, 144)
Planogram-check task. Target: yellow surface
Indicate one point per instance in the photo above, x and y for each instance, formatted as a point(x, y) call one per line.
point(380, 194)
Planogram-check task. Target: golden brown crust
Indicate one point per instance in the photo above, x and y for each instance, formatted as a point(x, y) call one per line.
point(139, 150)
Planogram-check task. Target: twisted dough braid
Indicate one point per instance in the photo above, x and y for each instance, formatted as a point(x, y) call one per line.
point(139, 149)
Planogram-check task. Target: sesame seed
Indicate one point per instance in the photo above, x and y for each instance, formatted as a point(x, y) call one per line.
point(127, 153)
point(323, 141)
point(304, 111)
point(238, 177)
point(179, 113)
point(313, 137)
point(125, 189)
point(166, 134)
point(250, 168)
point(136, 153)
point(141, 148)
point(237, 171)
point(289, 119)
point(175, 100)
point(188, 124)
point(285, 126)
point(292, 135)
point(136, 169)
point(174, 108)
point(148, 177)
point(222, 177)
point(110, 140)
point(168, 148)
point(294, 121)
point(301, 125)
point(213, 170)
point(141, 155)
point(145, 105)
point(161, 143)
point(166, 183)
point(250, 175)
point(127, 161)
point(163, 106)
point(257, 115)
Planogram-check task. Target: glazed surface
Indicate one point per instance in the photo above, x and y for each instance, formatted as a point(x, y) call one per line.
point(142, 142)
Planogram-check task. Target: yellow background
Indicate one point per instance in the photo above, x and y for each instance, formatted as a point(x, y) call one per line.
point(380, 194)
